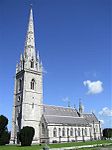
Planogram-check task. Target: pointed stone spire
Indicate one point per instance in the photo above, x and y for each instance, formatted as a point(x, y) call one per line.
point(38, 56)
point(29, 51)
point(21, 57)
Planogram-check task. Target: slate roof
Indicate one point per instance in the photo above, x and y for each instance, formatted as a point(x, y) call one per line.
point(63, 115)
point(66, 120)
point(60, 111)
point(91, 118)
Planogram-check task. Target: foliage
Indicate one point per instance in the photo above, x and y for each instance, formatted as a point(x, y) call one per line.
point(5, 137)
point(3, 123)
point(107, 133)
point(26, 135)
point(4, 134)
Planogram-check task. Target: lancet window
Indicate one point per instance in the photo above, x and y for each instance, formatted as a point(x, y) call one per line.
point(32, 63)
point(54, 132)
point(32, 84)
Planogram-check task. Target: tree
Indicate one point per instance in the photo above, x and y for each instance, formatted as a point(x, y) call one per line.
point(107, 133)
point(4, 134)
point(3, 123)
point(26, 135)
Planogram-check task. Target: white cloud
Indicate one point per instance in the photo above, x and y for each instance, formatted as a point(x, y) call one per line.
point(106, 112)
point(94, 87)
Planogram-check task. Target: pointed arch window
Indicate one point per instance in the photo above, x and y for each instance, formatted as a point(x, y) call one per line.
point(43, 128)
point(85, 131)
point(63, 132)
point(79, 134)
point(32, 63)
point(75, 132)
point(32, 84)
point(96, 127)
point(59, 131)
point(67, 131)
point(54, 132)
point(71, 132)
point(19, 98)
point(20, 84)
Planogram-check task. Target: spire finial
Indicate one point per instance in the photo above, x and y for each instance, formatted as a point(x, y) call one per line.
point(80, 106)
point(68, 103)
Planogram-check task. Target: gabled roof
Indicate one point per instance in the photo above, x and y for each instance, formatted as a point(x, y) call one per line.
point(66, 120)
point(60, 111)
point(63, 115)
point(90, 118)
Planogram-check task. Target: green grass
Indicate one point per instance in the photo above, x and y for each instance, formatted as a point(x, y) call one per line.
point(97, 148)
point(37, 147)
point(78, 143)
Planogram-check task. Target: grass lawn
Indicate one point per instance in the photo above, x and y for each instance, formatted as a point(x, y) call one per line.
point(37, 147)
point(78, 143)
point(96, 148)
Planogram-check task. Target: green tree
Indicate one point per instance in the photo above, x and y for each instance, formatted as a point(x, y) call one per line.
point(26, 135)
point(107, 133)
point(4, 134)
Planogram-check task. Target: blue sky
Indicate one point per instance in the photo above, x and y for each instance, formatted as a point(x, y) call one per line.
point(74, 41)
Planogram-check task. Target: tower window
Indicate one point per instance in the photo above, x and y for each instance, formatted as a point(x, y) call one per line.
point(20, 84)
point(32, 105)
point(32, 84)
point(19, 98)
point(32, 63)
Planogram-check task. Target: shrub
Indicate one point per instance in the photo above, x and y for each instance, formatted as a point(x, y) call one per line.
point(107, 133)
point(5, 137)
point(26, 135)
point(54, 141)
point(4, 134)
point(3, 123)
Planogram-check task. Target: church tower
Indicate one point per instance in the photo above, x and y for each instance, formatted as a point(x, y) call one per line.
point(28, 91)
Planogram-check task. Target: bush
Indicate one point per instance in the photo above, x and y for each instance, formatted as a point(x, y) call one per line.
point(3, 123)
point(5, 137)
point(54, 141)
point(107, 133)
point(4, 134)
point(26, 135)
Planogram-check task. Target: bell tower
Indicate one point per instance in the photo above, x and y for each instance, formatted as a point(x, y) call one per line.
point(28, 91)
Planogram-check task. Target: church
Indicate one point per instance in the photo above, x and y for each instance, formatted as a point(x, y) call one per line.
point(52, 124)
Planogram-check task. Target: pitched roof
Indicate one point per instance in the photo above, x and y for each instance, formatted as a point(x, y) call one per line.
point(66, 120)
point(60, 111)
point(91, 118)
point(63, 115)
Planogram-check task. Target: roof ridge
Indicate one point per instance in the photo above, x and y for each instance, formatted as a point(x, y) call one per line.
point(59, 106)
point(65, 116)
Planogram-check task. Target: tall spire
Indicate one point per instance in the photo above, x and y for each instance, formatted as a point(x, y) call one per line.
point(29, 51)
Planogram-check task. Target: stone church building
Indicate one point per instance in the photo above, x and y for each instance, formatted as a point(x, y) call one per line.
point(51, 123)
